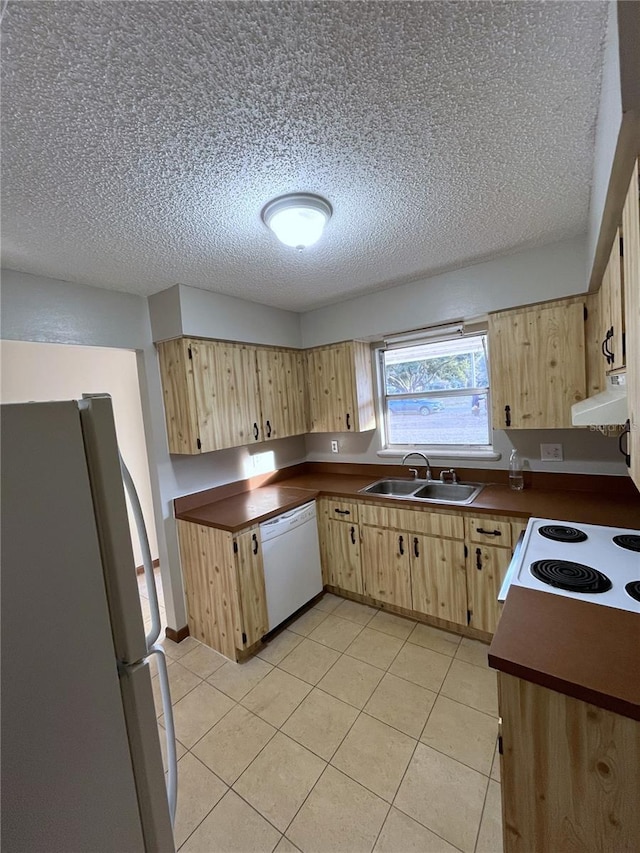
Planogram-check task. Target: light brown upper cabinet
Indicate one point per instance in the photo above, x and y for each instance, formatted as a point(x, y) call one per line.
point(612, 333)
point(538, 364)
point(219, 394)
point(283, 392)
point(631, 265)
point(340, 388)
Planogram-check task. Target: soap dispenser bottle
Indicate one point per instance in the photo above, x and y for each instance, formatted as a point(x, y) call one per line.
point(516, 477)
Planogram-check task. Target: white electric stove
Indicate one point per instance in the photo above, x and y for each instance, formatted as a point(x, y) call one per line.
point(585, 561)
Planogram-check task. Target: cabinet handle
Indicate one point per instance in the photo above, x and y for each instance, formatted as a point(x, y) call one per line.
point(343, 511)
point(507, 415)
point(488, 532)
point(255, 543)
point(401, 545)
point(268, 430)
point(415, 546)
point(479, 559)
point(348, 420)
point(256, 431)
point(607, 352)
point(625, 453)
point(353, 535)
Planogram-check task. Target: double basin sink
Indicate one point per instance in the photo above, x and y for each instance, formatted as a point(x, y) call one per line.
point(425, 490)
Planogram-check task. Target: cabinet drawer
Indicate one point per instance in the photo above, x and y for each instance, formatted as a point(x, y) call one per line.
point(430, 523)
point(496, 531)
point(341, 510)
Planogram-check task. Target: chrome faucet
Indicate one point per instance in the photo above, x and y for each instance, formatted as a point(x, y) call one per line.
point(427, 464)
point(450, 472)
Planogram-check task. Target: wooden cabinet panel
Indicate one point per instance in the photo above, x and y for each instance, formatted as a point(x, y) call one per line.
point(594, 335)
point(517, 527)
point(282, 383)
point(486, 568)
point(253, 597)
point(209, 571)
point(631, 262)
point(489, 530)
point(438, 578)
point(342, 555)
point(179, 396)
point(419, 521)
point(616, 306)
point(340, 509)
point(569, 773)
point(537, 363)
point(340, 388)
point(386, 571)
point(226, 393)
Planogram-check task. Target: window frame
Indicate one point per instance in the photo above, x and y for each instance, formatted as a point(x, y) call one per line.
point(436, 450)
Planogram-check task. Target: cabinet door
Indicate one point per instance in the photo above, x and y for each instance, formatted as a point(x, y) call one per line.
point(438, 578)
point(226, 392)
point(486, 568)
point(176, 374)
point(331, 389)
point(631, 260)
point(342, 550)
point(281, 380)
point(386, 567)
point(615, 344)
point(253, 597)
point(210, 585)
point(537, 362)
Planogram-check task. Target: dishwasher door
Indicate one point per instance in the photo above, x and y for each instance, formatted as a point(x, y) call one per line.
point(291, 559)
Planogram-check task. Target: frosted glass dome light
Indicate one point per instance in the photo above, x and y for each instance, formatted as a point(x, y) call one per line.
point(297, 220)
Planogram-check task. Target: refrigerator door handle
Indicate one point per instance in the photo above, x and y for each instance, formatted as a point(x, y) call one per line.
point(147, 562)
point(172, 761)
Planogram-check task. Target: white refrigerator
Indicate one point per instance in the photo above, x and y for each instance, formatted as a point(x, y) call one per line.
point(81, 762)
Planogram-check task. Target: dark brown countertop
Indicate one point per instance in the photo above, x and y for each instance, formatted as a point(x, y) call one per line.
point(218, 508)
point(574, 647)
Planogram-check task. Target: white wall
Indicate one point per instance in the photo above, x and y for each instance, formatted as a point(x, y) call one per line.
point(530, 276)
point(39, 372)
point(185, 310)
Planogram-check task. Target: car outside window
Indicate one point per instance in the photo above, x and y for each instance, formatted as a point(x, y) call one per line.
point(436, 394)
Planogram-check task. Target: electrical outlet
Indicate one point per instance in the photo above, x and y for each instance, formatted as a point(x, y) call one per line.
point(551, 452)
point(334, 446)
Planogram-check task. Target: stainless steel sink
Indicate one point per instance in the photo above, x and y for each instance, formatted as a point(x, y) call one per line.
point(429, 491)
point(393, 488)
point(450, 492)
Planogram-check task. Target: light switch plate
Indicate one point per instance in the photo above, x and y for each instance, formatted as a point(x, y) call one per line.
point(334, 446)
point(551, 452)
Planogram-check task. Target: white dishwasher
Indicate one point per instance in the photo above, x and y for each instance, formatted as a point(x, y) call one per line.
point(291, 559)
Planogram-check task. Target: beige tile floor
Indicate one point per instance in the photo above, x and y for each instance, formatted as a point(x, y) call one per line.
point(353, 730)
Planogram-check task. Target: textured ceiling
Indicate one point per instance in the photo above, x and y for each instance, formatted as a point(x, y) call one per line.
point(141, 140)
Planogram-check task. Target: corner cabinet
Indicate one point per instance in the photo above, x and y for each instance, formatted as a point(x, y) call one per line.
point(538, 364)
point(340, 388)
point(631, 267)
point(219, 394)
point(224, 587)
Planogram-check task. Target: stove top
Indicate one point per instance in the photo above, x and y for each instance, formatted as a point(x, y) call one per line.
point(585, 561)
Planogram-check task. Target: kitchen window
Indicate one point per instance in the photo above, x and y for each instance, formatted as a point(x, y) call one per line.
point(434, 394)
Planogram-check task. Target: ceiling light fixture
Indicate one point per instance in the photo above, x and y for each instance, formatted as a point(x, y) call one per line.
point(298, 219)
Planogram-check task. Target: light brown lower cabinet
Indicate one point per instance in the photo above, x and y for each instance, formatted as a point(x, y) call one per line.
point(486, 567)
point(386, 566)
point(438, 578)
point(570, 773)
point(340, 555)
point(224, 587)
